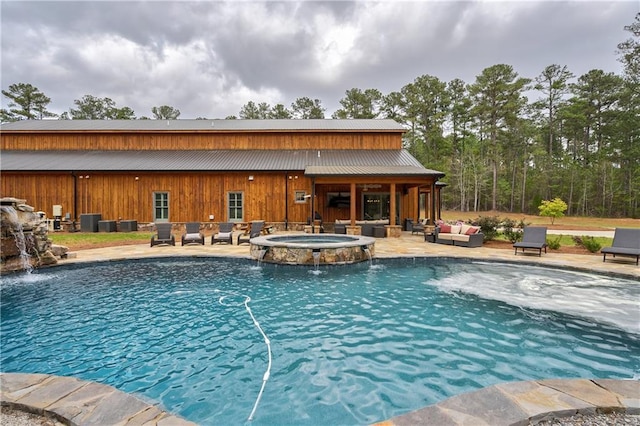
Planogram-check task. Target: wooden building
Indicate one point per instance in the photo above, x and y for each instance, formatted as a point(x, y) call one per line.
point(280, 171)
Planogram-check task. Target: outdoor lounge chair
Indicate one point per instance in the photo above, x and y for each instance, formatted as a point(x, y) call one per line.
point(418, 227)
point(254, 231)
point(626, 242)
point(224, 234)
point(193, 234)
point(164, 235)
point(535, 238)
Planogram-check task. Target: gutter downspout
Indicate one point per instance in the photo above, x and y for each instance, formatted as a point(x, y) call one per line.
point(433, 202)
point(313, 207)
point(286, 201)
point(75, 195)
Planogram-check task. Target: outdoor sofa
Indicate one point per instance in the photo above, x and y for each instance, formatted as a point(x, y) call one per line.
point(459, 235)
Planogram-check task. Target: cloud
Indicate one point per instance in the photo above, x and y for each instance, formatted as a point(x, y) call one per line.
point(209, 58)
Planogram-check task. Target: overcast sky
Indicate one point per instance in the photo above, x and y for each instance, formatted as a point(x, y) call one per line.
point(209, 58)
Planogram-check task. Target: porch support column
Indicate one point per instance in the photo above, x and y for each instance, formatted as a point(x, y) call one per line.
point(352, 204)
point(433, 202)
point(392, 204)
point(313, 206)
point(352, 229)
point(439, 204)
point(393, 229)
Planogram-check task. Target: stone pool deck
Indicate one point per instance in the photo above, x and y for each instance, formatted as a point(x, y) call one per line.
point(78, 402)
point(527, 403)
point(407, 245)
point(73, 401)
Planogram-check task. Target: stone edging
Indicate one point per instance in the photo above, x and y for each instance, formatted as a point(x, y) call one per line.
point(73, 401)
point(527, 403)
point(78, 402)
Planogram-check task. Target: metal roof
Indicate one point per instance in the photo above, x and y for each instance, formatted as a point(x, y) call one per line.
point(368, 171)
point(314, 162)
point(385, 125)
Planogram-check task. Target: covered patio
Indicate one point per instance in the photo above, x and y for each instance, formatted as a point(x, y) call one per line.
point(373, 193)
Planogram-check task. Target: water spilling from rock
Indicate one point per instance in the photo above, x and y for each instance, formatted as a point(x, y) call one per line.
point(15, 229)
point(24, 243)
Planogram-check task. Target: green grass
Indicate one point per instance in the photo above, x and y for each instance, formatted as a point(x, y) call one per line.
point(99, 238)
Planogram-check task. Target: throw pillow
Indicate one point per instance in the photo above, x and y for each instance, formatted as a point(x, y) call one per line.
point(445, 228)
point(472, 230)
point(455, 229)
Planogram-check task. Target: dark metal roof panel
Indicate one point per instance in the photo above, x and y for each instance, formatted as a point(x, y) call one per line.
point(384, 125)
point(369, 171)
point(315, 162)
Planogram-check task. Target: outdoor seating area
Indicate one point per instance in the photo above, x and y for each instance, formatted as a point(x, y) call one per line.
point(533, 238)
point(626, 243)
point(458, 235)
point(625, 247)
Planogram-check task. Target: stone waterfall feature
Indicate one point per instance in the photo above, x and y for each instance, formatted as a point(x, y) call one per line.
point(25, 244)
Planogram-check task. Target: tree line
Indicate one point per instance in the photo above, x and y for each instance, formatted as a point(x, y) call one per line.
point(579, 140)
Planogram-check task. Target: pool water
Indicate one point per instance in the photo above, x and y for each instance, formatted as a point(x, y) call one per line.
point(350, 345)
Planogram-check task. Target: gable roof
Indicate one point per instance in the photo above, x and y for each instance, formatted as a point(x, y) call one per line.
point(384, 125)
point(314, 162)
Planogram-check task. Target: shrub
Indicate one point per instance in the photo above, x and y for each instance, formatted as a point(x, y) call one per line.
point(489, 226)
point(508, 231)
point(554, 244)
point(588, 243)
point(553, 209)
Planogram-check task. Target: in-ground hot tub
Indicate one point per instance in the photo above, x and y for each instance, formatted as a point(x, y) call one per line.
point(312, 249)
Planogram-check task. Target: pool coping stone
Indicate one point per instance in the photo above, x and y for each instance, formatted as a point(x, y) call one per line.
point(78, 402)
point(528, 403)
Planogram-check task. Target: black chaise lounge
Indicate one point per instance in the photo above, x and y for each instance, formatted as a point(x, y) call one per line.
point(535, 238)
point(164, 235)
point(192, 234)
point(254, 231)
point(626, 242)
point(224, 234)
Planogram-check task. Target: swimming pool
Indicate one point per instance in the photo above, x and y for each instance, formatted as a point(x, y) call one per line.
point(350, 345)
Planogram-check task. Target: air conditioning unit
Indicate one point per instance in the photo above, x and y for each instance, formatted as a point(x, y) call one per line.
point(57, 210)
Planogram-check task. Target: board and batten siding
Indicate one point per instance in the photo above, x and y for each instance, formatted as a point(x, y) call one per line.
point(43, 141)
point(192, 196)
